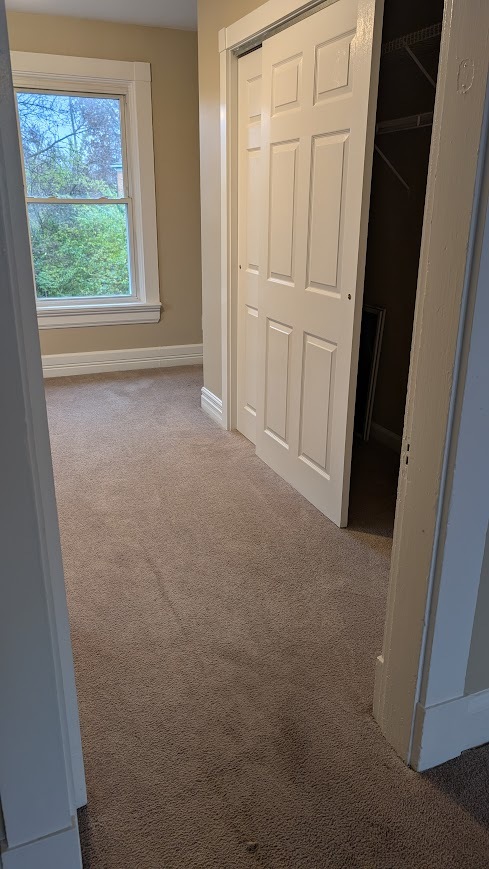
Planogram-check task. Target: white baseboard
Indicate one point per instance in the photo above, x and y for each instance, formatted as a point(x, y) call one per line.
point(383, 436)
point(211, 405)
point(67, 364)
point(442, 732)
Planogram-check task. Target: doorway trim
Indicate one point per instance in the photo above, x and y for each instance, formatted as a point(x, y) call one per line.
point(444, 272)
point(42, 778)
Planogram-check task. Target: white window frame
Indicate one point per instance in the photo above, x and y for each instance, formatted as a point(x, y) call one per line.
point(130, 81)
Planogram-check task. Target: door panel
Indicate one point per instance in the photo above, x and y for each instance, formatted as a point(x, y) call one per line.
point(286, 84)
point(251, 367)
point(318, 78)
point(332, 66)
point(327, 161)
point(276, 383)
point(252, 204)
point(250, 195)
point(317, 391)
point(283, 183)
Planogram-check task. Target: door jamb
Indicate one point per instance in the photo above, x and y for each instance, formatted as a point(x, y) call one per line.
point(439, 317)
point(451, 213)
point(42, 779)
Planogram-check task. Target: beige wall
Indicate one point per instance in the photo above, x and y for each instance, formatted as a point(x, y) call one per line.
point(213, 15)
point(173, 58)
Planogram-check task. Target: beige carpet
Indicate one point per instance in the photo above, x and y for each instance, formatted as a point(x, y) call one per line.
point(224, 635)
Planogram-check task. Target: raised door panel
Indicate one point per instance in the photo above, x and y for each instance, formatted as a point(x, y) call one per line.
point(326, 184)
point(252, 205)
point(283, 182)
point(317, 387)
point(251, 368)
point(287, 85)
point(332, 72)
point(278, 341)
point(254, 92)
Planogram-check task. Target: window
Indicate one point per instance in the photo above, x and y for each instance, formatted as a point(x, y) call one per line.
point(77, 202)
point(86, 143)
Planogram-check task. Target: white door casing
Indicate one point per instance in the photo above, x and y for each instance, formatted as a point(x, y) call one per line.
point(319, 93)
point(250, 182)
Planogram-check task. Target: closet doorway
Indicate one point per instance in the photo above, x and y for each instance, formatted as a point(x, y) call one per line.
point(293, 398)
point(406, 98)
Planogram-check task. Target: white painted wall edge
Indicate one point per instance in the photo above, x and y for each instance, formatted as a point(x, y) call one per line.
point(443, 731)
point(386, 437)
point(100, 361)
point(41, 767)
point(211, 405)
point(60, 849)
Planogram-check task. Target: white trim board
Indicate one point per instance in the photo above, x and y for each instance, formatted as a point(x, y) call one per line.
point(443, 731)
point(84, 69)
point(100, 361)
point(211, 405)
point(98, 315)
point(386, 437)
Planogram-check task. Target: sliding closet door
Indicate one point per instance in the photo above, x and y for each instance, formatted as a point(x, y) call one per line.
point(319, 80)
point(250, 216)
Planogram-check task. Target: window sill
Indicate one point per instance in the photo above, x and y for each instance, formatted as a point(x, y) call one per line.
point(119, 313)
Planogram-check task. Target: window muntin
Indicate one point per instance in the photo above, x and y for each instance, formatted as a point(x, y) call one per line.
point(75, 169)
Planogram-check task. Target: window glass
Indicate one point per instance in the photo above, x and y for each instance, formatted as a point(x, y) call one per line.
point(72, 145)
point(72, 152)
point(79, 250)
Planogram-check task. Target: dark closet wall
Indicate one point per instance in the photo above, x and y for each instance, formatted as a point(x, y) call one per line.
point(396, 217)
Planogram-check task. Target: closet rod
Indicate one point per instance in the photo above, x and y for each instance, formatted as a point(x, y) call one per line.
point(410, 122)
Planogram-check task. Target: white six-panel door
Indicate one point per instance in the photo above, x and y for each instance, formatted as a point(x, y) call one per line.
point(250, 184)
point(317, 139)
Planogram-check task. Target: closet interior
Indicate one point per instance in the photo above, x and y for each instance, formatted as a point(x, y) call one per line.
point(406, 99)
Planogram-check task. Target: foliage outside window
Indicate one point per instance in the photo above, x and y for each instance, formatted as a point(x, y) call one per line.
point(76, 190)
